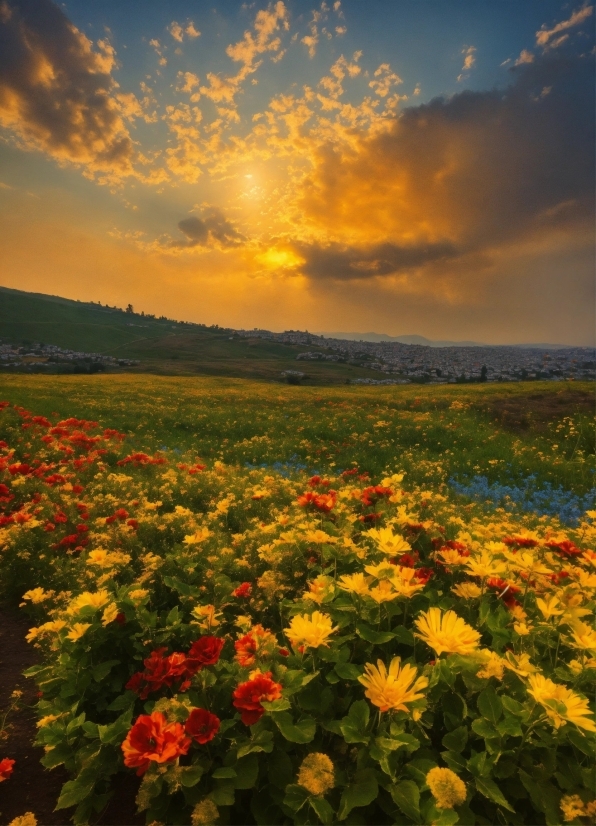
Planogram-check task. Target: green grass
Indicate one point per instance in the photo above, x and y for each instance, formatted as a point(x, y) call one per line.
point(160, 346)
point(433, 433)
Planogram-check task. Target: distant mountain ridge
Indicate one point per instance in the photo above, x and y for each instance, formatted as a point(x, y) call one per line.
point(427, 342)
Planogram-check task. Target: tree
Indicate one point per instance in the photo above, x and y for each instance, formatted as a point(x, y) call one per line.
point(130, 309)
point(483, 373)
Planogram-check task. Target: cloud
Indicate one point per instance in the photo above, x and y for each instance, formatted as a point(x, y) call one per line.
point(524, 57)
point(469, 61)
point(383, 80)
point(460, 179)
point(177, 31)
point(545, 35)
point(212, 229)
point(57, 93)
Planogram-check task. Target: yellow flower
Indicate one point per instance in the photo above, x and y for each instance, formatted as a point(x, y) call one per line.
point(198, 536)
point(207, 616)
point(406, 582)
point(494, 666)
point(109, 614)
point(316, 774)
point(45, 721)
point(484, 565)
point(522, 629)
point(37, 595)
point(48, 627)
point(383, 592)
point(584, 637)
point(549, 608)
point(572, 807)
point(467, 590)
point(204, 813)
point(320, 538)
point(28, 819)
point(452, 558)
point(388, 542)
point(385, 570)
point(320, 588)
point(355, 583)
point(394, 688)
point(310, 632)
point(77, 630)
point(561, 704)
point(138, 594)
point(89, 600)
point(446, 632)
point(520, 664)
point(446, 787)
point(526, 561)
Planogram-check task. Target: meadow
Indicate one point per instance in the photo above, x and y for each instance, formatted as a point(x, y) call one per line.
point(273, 604)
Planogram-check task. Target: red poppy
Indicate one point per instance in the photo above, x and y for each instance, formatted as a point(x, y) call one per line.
point(249, 695)
point(153, 739)
point(201, 725)
point(204, 651)
point(243, 590)
point(6, 765)
point(323, 502)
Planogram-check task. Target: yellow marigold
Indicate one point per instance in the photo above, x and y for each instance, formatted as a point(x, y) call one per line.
point(394, 688)
point(561, 704)
point(48, 627)
point(572, 807)
point(388, 542)
point(37, 595)
point(200, 535)
point(310, 632)
point(355, 583)
point(519, 663)
point(316, 774)
point(406, 583)
point(446, 787)
point(89, 600)
point(493, 666)
point(452, 558)
point(383, 592)
point(204, 813)
point(320, 538)
point(77, 630)
point(446, 632)
point(207, 616)
point(109, 614)
point(484, 565)
point(28, 819)
point(584, 637)
point(467, 590)
point(138, 594)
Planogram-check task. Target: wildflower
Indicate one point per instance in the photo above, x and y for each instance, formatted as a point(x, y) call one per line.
point(526, 562)
point(201, 725)
point(242, 591)
point(519, 663)
point(320, 538)
point(446, 632)
point(28, 819)
point(408, 581)
point(493, 665)
point(355, 583)
point(446, 787)
point(584, 637)
point(316, 774)
point(467, 590)
point(204, 651)
point(383, 592)
point(561, 704)
point(323, 502)
point(572, 807)
point(6, 765)
point(138, 595)
point(110, 613)
point(204, 813)
point(394, 688)
point(250, 694)
point(89, 600)
point(37, 595)
point(153, 739)
point(549, 608)
point(484, 565)
point(385, 570)
point(197, 537)
point(310, 632)
point(320, 589)
point(388, 542)
point(45, 721)
point(77, 630)
point(258, 643)
point(160, 671)
point(522, 628)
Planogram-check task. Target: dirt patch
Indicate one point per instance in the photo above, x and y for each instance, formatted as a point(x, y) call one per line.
point(534, 411)
point(31, 787)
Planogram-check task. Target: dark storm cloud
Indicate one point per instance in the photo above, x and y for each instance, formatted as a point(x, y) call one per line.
point(211, 229)
point(57, 93)
point(462, 176)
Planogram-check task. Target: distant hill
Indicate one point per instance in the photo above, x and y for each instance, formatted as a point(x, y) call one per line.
point(427, 342)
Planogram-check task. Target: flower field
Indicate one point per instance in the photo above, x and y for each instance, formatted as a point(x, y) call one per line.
point(273, 629)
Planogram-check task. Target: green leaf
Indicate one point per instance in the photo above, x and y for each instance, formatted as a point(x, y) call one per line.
point(101, 671)
point(125, 700)
point(580, 741)
point(224, 773)
point(454, 761)
point(223, 793)
point(353, 727)
point(419, 768)
point(447, 817)
point(403, 635)
point(323, 809)
point(173, 616)
point(456, 740)
point(477, 764)
point(190, 775)
point(301, 732)
point(56, 756)
point(74, 791)
point(362, 791)
point(247, 771)
point(512, 706)
point(277, 705)
point(263, 741)
point(406, 795)
point(484, 729)
point(348, 671)
point(376, 637)
point(489, 789)
point(490, 705)
point(295, 797)
point(509, 726)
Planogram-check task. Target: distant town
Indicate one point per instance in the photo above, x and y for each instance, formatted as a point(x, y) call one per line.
point(39, 358)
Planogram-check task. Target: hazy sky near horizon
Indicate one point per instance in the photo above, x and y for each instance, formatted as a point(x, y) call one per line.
point(402, 166)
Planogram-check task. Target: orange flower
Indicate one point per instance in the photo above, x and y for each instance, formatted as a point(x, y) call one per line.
point(153, 739)
point(257, 643)
point(249, 695)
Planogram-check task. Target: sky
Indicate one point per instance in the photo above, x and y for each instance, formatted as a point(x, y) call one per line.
point(397, 166)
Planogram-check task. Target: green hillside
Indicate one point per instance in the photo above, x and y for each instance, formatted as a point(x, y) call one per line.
point(160, 345)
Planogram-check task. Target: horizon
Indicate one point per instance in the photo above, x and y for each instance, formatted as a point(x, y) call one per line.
point(294, 165)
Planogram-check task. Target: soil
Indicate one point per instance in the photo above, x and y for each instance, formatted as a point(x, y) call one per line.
point(31, 787)
point(534, 411)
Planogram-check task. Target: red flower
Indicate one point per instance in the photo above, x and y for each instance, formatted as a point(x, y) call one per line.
point(249, 695)
point(6, 765)
point(121, 618)
point(284, 652)
point(323, 502)
point(205, 651)
point(159, 671)
point(201, 725)
point(152, 738)
point(520, 541)
point(133, 523)
point(243, 590)
point(370, 517)
point(423, 574)
point(565, 548)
